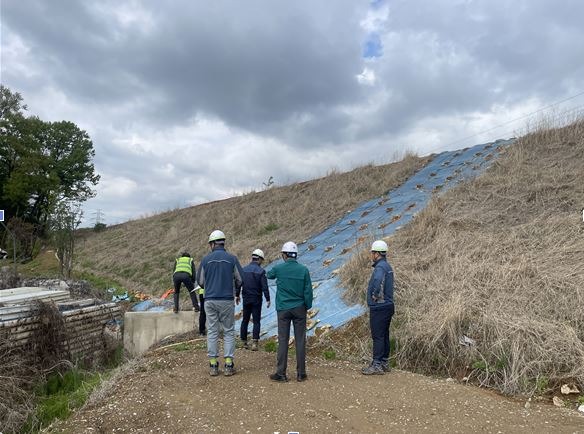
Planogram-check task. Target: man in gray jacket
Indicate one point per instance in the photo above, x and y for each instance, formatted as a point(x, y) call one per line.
point(220, 276)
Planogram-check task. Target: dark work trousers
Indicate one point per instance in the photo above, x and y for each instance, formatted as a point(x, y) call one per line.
point(297, 316)
point(202, 315)
point(379, 320)
point(251, 309)
point(184, 278)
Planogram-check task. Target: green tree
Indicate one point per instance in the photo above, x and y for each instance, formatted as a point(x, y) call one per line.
point(42, 164)
point(62, 224)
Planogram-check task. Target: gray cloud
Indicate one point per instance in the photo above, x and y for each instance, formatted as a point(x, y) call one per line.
point(172, 93)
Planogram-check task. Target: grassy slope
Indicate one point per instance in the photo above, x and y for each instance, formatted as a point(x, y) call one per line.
point(139, 254)
point(499, 260)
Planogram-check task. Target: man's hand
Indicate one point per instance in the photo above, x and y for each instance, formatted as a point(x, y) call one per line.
point(268, 303)
point(237, 299)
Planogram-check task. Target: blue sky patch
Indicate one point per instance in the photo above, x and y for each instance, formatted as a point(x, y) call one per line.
point(372, 47)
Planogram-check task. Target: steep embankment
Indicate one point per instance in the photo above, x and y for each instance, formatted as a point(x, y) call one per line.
point(500, 261)
point(140, 253)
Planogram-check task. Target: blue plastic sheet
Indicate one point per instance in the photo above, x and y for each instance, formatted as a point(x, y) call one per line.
point(327, 251)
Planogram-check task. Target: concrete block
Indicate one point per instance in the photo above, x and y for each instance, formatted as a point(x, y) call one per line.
point(143, 329)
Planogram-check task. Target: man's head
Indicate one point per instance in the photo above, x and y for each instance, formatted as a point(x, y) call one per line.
point(289, 250)
point(185, 254)
point(257, 256)
point(217, 238)
point(378, 250)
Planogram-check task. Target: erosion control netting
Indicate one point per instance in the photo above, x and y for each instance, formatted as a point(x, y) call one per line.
point(326, 252)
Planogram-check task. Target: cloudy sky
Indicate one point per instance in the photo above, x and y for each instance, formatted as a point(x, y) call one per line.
point(188, 101)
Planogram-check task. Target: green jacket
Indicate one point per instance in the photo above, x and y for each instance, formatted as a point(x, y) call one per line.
point(293, 284)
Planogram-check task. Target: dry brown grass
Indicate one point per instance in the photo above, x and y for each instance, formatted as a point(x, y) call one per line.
point(499, 260)
point(17, 374)
point(140, 253)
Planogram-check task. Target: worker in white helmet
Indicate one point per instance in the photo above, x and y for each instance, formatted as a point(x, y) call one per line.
point(381, 308)
point(220, 276)
point(293, 299)
point(255, 285)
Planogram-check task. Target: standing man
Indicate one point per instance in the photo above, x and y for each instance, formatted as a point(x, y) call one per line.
point(293, 299)
point(381, 309)
point(254, 285)
point(220, 277)
point(184, 273)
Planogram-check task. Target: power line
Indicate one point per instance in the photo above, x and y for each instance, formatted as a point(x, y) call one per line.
point(508, 122)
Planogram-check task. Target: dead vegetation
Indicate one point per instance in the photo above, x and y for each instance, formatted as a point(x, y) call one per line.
point(139, 254)
point(489, 276)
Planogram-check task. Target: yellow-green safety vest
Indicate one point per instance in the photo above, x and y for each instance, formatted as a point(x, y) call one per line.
point(184, 264)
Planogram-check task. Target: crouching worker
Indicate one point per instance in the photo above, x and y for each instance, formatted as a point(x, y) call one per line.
point(293, 299)
point(381, 309)
point(254, 285)
point(184, 273)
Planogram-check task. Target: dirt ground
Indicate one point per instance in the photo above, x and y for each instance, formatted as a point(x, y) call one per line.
point(170, 391)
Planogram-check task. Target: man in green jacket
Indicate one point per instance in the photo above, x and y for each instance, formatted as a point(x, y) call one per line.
point(293, 299)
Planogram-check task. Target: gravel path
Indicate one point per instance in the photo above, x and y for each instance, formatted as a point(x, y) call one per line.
point(171, 391)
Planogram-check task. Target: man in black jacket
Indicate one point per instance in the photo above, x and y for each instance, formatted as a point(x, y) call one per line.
point(254, 285)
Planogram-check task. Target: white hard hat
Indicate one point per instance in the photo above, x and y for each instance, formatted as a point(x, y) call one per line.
point(290, 247)
point(379, 246)
point(258, 252)
point(216, 236)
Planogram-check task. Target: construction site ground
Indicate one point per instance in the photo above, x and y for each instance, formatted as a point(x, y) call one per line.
point(169, 390)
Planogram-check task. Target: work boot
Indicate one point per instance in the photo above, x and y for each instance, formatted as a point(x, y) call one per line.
point(278, 378)
point(254, 345)
point(301, 377)
point(373, 369)
point(214, 369)
point(229, 370)
point(245, 345)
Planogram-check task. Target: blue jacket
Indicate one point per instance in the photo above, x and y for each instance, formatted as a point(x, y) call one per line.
point(380, 288)
point(254, 283)
point(220, 275)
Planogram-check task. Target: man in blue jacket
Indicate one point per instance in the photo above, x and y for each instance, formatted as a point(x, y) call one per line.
point(254, 285)
point(381, 309)
point(220, 276)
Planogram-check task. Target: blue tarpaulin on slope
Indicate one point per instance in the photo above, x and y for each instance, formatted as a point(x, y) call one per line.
point(327, 251)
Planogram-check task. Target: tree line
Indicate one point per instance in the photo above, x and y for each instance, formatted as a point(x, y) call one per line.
point(46, 172)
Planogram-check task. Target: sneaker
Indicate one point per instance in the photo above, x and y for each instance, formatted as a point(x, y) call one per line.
point(174, 310)
point(214, 370)
point(301, 377)
point(373, 369)
point(278, 378)
point(197, 309)
point(203, 333)
point(254, 345)
point(245, 345)
point(385, 367)
point(229, 370)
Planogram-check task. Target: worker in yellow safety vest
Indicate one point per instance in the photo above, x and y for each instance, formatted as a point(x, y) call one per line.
point(184, 274)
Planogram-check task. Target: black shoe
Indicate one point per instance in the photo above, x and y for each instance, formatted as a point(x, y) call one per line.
point(279, 378)
point(174, 310)
point(214, 370)
point(203, 333)
point(301, 377)
point(229, 370)
point(196, 308)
